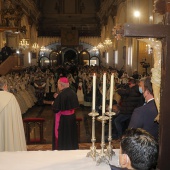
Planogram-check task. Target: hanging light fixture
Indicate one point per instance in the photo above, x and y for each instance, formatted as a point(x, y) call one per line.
point(100, 46)
point(35, 46)
point(94, 48)
point(43, 50)
point(107, 43)
point(23, 44)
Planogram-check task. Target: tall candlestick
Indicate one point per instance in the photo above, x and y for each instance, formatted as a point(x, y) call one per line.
point(111, 91)
point(94, 92)
point(104, 94)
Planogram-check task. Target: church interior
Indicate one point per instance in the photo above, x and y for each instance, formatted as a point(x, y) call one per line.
point(125, 35)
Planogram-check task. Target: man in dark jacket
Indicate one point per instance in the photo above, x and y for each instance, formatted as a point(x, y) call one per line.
point(130, 99)
point(6, 52)
point(143, 117)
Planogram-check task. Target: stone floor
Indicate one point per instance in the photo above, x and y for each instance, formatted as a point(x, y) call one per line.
point(85, 128)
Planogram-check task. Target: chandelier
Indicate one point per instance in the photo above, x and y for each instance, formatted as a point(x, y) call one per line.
point(23, 44)
point(107, 43)
point(94, 48)
point(35, 46)
point(43, 49)
point(100, 46)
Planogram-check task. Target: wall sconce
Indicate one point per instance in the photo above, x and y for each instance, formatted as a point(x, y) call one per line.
point(116, 56)
point(129, 62)
point(107, 57)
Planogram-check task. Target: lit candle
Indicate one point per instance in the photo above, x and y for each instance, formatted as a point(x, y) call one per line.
point(104, 94)
point(94, 92)
point(111, 91)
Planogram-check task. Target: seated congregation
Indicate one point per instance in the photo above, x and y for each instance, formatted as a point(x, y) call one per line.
point(133, 103)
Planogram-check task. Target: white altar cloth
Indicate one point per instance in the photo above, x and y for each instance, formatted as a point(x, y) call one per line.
point(52, 160)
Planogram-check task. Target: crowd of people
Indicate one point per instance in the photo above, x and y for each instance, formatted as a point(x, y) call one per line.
point(68, 89)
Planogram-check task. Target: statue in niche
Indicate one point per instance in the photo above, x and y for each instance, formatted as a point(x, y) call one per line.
point(82, 7)
point(7, 4)
point(11, 15)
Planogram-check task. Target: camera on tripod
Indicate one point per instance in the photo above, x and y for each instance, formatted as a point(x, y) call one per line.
point(145, 65)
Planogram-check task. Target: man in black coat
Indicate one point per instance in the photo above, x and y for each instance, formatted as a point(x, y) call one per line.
point(6, 52)
point(143, 117)
point(65, 135)
point(130, 99)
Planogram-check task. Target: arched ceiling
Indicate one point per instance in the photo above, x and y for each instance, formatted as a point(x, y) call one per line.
point(52, 16)
point(78, 15)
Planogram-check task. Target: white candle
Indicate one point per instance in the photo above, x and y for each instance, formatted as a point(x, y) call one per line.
point(94, 92)
point(111, 91)
point(104, 94)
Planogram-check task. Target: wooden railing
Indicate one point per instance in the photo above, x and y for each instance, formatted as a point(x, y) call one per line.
point(10, 63)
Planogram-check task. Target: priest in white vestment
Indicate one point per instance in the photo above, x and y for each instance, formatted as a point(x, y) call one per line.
point(12, 136)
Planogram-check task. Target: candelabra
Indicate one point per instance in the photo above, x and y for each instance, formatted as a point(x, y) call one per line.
point(93, 152)
point(109, 151)
point(102, 155)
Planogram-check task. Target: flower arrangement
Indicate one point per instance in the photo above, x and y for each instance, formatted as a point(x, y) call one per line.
point(117, 31)
point(160, 7)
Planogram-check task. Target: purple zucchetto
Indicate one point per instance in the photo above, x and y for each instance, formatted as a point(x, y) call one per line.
point(63, 80)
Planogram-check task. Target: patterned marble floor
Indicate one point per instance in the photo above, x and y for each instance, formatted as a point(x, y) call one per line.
point(85, 128)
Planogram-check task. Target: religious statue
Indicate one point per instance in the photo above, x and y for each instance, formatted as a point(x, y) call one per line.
point(11, 14)
point(57, 6)
point(161, 7)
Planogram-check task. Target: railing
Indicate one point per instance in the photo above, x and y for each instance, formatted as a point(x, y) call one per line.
point(10, 63)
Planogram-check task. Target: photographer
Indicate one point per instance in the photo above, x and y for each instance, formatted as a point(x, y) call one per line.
point(130, 98)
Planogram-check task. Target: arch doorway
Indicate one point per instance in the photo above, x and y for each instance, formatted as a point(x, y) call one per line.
point(44, 61)
point(55, 58)
point(94, 60)
point(84, 57)
point(70, 56)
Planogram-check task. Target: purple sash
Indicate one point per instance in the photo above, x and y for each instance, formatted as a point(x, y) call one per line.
point(57, 119)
